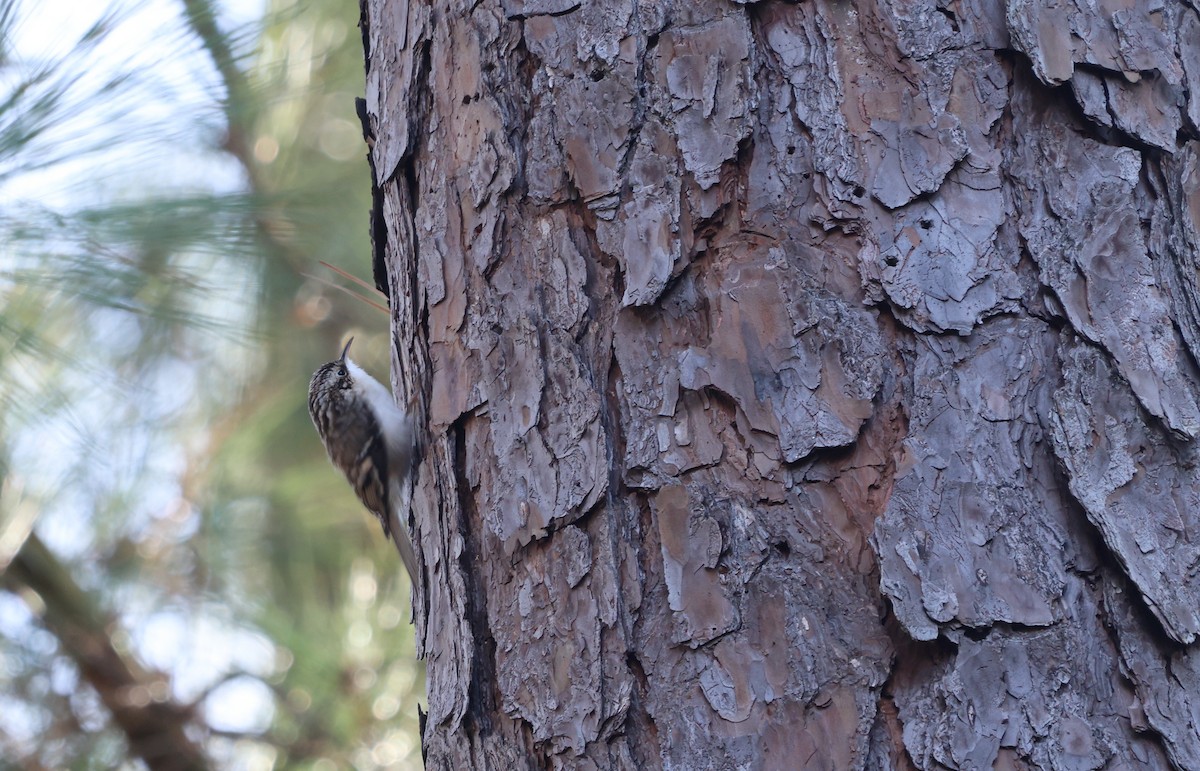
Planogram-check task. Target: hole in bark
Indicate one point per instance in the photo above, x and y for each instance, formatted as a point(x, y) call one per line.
point(950, 17)
point(782, 547)
point(597, 74)
point(859, 191)
point(891, 260)
point(978, 634)
point(791, 150)
point(926, 223)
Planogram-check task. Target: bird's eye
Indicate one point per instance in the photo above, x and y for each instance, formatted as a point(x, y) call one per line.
point(341, 372)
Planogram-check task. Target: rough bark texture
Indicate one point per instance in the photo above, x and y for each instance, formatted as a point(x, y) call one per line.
point(807, 385)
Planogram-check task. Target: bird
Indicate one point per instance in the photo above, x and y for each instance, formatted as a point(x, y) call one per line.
point(369, 439)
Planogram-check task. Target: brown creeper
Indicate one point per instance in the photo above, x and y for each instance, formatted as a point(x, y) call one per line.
point(369, 439)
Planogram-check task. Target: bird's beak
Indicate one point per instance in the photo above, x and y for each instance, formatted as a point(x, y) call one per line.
point(346, 349)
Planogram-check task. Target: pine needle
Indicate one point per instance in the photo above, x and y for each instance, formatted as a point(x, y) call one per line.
point(351, 292)
point(351, 277)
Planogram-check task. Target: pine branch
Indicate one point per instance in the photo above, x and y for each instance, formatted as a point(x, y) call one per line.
point(155, 730)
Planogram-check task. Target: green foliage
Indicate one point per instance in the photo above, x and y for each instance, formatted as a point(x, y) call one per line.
point(157, 332)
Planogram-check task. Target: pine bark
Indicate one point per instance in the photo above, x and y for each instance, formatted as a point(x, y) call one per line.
point(805, 385)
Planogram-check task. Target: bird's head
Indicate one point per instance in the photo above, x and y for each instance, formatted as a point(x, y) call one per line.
point(335, 375)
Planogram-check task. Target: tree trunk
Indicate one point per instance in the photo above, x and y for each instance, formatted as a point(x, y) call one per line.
point(807, 385)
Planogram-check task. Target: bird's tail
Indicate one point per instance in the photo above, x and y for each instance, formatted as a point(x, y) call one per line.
point(401, 497)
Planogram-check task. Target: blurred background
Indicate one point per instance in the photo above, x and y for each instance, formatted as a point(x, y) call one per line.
point(180, 566)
